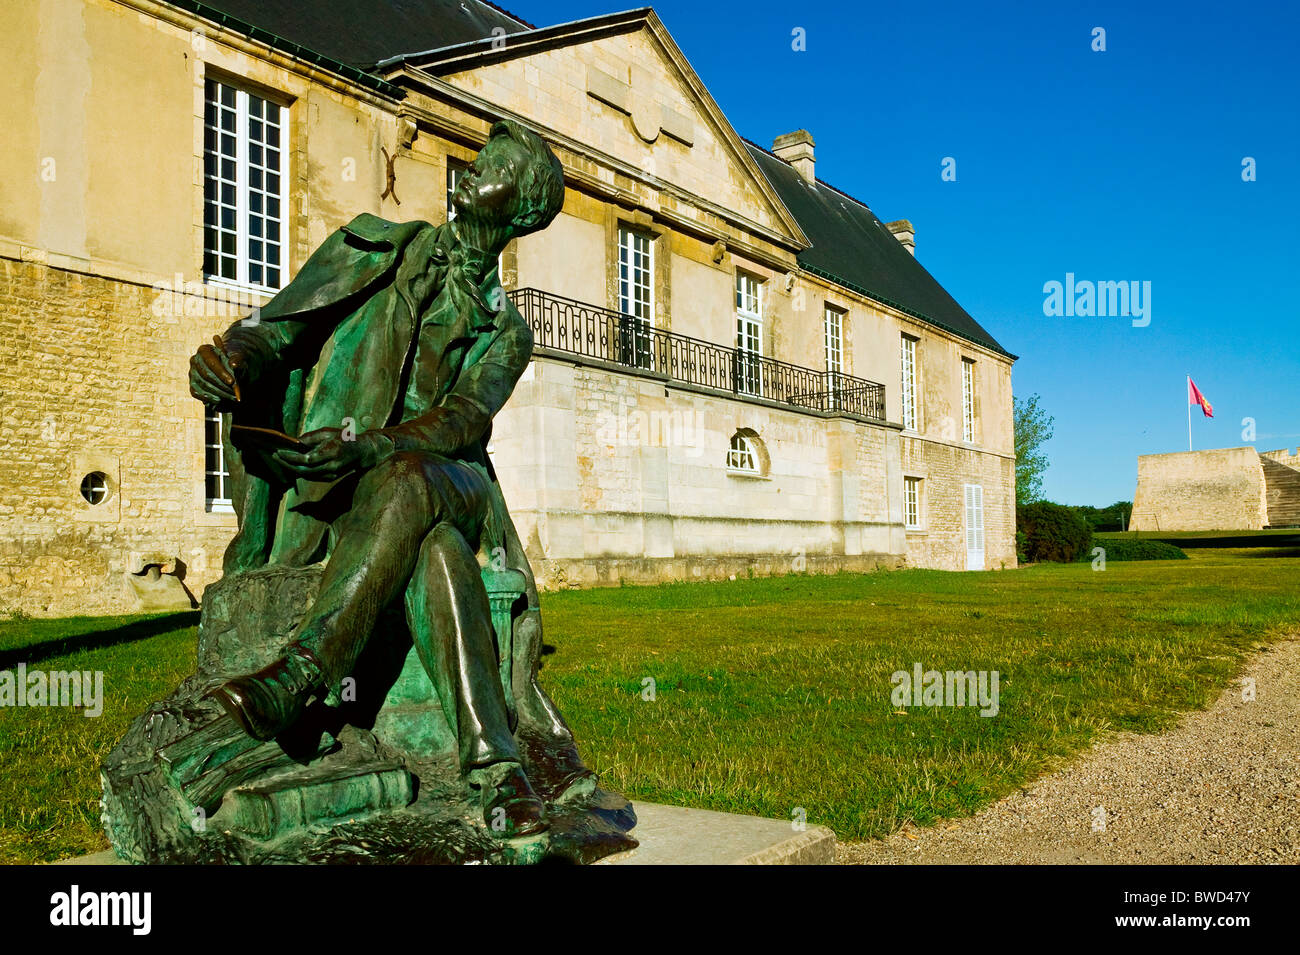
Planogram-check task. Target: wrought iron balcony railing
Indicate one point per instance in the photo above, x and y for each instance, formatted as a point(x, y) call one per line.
point(563, 324)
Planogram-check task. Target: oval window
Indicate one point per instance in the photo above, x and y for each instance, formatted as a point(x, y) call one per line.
point(94, 487)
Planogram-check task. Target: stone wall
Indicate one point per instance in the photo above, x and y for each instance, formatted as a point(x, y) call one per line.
point(1221, 489)
point(944, 470)
point(1284, 456)
point(93, 379)
point(614, 477)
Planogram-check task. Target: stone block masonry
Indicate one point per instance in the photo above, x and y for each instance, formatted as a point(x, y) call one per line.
point(93, 380)
point(1221, 489)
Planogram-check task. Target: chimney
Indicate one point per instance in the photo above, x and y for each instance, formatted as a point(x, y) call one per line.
point(904, 233)
point(797, 149)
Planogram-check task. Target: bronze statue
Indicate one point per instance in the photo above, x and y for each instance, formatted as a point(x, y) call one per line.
point(388, 354)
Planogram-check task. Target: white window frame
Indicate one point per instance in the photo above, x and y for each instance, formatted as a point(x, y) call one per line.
point(968, 400)
point(636, 294)
point(215, 453)
point(636, 259)
point(910, 415)
point(749, 333)
point(833, 335)
point(912, 491)
point(742, 456)
point(833, 342)
point(243, 166)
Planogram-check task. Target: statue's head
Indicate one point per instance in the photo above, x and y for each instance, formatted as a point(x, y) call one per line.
point(515, 182)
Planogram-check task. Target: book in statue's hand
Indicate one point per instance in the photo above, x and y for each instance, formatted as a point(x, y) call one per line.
point(267, 438)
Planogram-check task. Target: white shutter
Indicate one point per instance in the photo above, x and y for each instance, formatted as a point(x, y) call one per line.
point(974, 526)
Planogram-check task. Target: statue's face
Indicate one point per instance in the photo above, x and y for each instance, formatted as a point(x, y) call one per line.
point(487, 192)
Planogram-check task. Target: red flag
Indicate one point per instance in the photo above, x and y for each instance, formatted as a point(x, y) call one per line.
point(1194, 397)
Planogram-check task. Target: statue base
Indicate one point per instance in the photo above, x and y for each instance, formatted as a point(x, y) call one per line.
point(367, 780)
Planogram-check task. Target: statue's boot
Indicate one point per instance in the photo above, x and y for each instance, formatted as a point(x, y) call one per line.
point(510, 807)
point(268, 702)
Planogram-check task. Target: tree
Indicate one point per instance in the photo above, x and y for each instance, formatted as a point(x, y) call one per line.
point(1033, 429)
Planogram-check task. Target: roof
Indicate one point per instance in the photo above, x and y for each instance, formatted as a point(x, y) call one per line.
point(360, 33)
point(854, 249)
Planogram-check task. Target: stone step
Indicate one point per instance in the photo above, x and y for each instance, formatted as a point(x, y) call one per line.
point(1282, 493)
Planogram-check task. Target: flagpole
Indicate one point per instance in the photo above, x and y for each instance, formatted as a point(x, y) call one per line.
point(1189, 412)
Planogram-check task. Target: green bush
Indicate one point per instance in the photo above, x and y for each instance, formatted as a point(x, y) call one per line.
point(1053, 532)
point(1126, 548)
point(1112, 518)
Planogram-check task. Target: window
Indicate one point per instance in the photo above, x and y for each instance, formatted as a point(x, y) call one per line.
point(635, 297)
point(912, 502)
point(243, 187)
point(216, 477)
point(967, 400)
point(94, 487)
point(909, 383)
point(742, 456)
point(833, 325)
point(834, 340)
point(749, 334)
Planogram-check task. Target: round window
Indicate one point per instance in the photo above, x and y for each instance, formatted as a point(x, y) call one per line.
point(94, 487)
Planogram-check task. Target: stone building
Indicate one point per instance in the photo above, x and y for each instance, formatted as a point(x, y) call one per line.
point(739, 368)
point(1236, 489)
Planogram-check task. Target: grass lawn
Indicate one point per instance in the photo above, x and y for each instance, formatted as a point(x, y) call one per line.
point(771, 694)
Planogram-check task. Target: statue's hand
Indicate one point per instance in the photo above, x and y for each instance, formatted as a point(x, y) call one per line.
point(215, 372)
point(330, 456)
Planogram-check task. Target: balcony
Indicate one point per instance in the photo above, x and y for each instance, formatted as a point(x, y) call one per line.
point(561, 324)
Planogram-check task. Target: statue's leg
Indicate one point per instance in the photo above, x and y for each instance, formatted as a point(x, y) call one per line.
point(450, 621)
point(378, 541)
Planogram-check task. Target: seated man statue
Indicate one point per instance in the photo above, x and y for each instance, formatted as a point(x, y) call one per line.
point(389, 354)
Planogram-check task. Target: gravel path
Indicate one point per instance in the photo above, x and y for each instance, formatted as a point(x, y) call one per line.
point(1223, 786)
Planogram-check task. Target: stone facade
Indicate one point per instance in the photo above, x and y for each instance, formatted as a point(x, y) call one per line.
point(613, 478)
point(1221, 489)
point(613, 473)
point(70, 409)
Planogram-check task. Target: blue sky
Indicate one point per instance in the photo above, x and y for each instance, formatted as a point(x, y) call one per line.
point(1123, 165)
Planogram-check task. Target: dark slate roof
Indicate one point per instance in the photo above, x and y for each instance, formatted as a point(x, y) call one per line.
point(360, 33)
point(852, 248)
